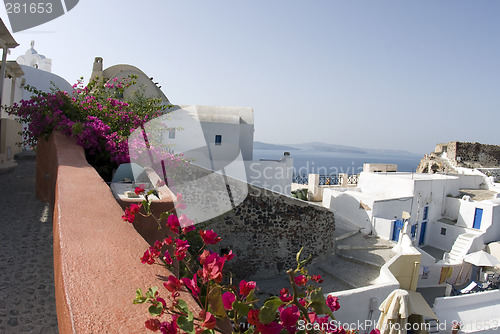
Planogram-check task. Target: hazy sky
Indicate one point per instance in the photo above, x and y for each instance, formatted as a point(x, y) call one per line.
point(377, 74)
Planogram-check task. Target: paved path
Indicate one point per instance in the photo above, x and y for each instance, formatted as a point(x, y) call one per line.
point(27, 301)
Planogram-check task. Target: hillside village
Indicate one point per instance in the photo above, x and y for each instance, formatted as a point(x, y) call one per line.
point(426, 234)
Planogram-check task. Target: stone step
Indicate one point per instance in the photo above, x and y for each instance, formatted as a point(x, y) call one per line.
point(347, 235)
point(364, 262)
point(369, 247)
point(351, 273)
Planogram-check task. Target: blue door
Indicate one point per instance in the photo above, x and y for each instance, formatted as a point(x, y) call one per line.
point(398, 226)
point(422, 233)
point(477, 218)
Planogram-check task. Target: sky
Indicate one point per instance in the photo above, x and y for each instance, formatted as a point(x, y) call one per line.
point(389, 74)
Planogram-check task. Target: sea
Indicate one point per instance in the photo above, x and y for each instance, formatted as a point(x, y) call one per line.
point(328, 162)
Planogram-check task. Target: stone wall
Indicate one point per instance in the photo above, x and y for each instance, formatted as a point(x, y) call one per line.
point(460, 154)
point(264, 229)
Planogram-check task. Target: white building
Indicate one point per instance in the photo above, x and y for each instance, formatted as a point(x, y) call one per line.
point(218, 138)
point(440, 211)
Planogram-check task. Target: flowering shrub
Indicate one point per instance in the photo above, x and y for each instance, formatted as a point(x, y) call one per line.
point(94, 114)
point(300, 309)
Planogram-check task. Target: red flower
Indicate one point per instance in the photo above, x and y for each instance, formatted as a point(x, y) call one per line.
point(332, 303)
point(192, 284)
point(212, 268)
point(247, 287)
point(253, 317)
point(168, 258)
point(168, 241)
point(301, 280)
point(229, 255)
point(285, 296)
point(170, 327)
point(130, 213)
point(181, 247)
point(186, 224)
point(209, 237)
point(289, 317)
point(228, 299)
point(149, 255)
point(153, 324)
point(173, 223)
point(139, 190)
point(270, 328)
point(173, 284)
point(317, 278)
point(209, 321)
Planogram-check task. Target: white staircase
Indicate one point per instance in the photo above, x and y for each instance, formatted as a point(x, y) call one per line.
point(460, 248)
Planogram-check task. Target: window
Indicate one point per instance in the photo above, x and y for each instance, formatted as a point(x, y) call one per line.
point(171, 133)
point(218, 139)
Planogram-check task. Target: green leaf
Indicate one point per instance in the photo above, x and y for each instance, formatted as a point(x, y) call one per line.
point(139, 297)
point(155, 310)
point(319, 303)
point(186, 323)
point(241, 308)
point(151, 292)
point(215, 301)
point(208, 331)
point(251, 297)
point(183, 306)
point(268, 311)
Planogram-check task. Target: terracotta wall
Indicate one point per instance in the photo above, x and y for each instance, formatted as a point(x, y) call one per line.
point(96, 254)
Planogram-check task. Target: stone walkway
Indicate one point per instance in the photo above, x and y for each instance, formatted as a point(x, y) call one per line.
point(27, 301)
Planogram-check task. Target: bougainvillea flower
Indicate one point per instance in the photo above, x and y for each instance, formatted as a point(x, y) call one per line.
point(375, 331)
point(192, 284)
point(168, 258)
point(203, 256)
point(209, 237)
point(139, 190)
point(270, 328)
point(186, 224)
point(209, 320)
point(228, 298)
point(229, 255)
point(153, 324)
point(148, 257)
point(173, 223)
point(247, 287)
point(285, 296)
point(130, 212)
point(170, 327)
point(301, 280)
point(181, 247)
point(317, 278)
point(212, 268)
point(253, 317)
point(289, 317)
point(168, 241)
point(332, 303)
point(173, 284)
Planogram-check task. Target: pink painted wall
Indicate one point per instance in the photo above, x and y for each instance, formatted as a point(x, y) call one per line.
point(96, 254)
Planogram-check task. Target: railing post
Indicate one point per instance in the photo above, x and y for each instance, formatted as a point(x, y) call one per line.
point(313, 189)
point(344, 178)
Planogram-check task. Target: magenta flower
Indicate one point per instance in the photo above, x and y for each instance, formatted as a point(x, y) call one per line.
point(173, 223)
point(209, 320)
point(228, 298)
point(301, 280)
point(209, 237)
point(285, 296)
point(168, 258)
point(173, 284)
point(247, 287)
point(289, 317)
point(192, 284)
point(332, 303)
point(181, 247)
point(270, 328)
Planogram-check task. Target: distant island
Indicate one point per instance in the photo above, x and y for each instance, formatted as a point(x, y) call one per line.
point(324, 147)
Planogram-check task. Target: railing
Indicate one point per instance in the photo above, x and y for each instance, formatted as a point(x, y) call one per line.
point(327, 180)
point(353, 179)
point(300, 178)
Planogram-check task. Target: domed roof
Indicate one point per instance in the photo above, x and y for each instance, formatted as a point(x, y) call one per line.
point(31, 51)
